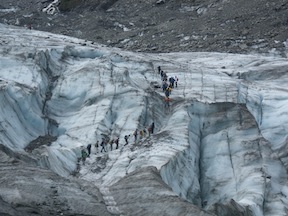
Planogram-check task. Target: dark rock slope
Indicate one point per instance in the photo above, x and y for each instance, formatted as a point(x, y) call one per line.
point(161, 26)
point(28, 190)
point(146, 185)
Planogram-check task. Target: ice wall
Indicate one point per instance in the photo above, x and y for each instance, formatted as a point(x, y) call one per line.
point(22, 94)
point(263, 99)
point(210, 170)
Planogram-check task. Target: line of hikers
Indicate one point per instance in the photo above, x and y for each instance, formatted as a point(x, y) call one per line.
point(138, 134)
point(141, 133)
point(85, 152)
point(167, 88)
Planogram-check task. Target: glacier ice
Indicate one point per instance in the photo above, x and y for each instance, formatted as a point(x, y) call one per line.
point(220, 149)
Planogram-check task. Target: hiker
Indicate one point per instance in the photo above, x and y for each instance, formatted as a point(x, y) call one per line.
point(126, 137)
point(176, 81)
point(162, 74)
point(165, 77)
point(141, 134)
point(135, 135)
point(159, 69)
point(117, 142)
point(103, 146)
point(168, 92)
point(83, 155)
point(169, 89)
point(151, 128)
point(89, 149)
point(164, 86)
point(145, 132)
point(111, 144)
point(172, 80)
point(96, 146)
point(149, 131)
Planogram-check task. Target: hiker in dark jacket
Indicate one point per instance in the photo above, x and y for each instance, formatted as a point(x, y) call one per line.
point(135, 135)
point(103, 146)
point(176, 81)
point(152, 128)
point(164, 86)
point(159, 69)
point(89, 149)
point(117, 142)
point(126, 137)
point(172, 80)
